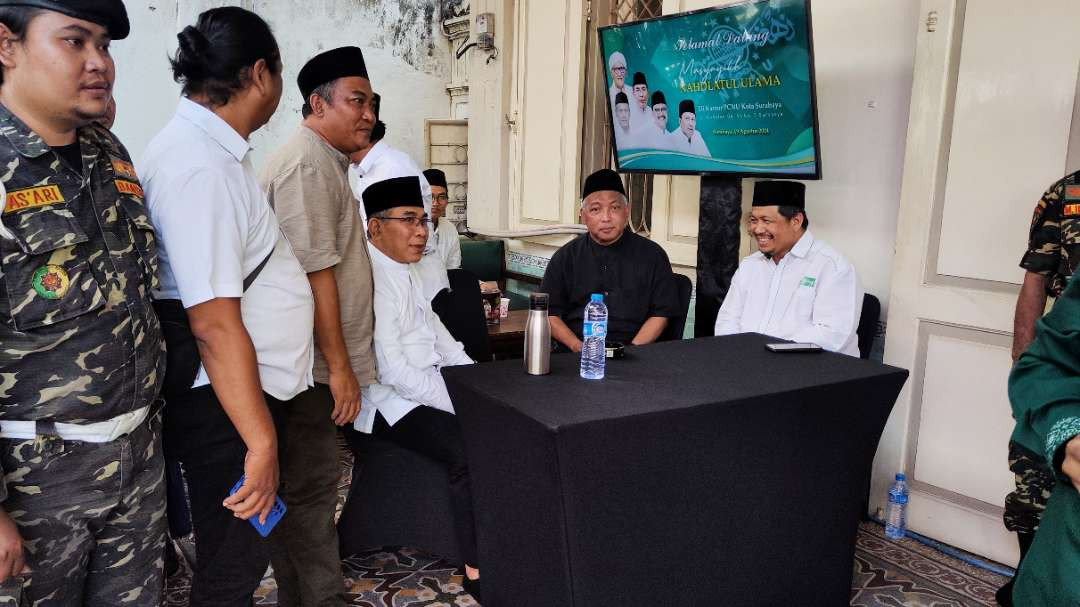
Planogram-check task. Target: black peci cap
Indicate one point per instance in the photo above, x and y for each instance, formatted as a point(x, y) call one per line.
point(658, 97)
point(780, 193)
point(602, 181)
point(110, 14)
point(340, 62)
point(435, 177)
point(685, 106)
point(621, 97)
point(639, 78)
point(394, 192)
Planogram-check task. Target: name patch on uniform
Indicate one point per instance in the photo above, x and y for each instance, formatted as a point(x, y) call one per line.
point(808, 281)
point(123, 168)
point(1071, 210)
point(51, 281)
point(27, 198)
point(127, 187)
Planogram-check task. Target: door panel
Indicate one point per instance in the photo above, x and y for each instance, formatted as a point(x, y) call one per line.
point(968, 370)
point(988, 132)
point(548, 94)
point(1010, 131)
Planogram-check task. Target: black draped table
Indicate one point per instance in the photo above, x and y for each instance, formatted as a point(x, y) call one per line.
point(698, 472)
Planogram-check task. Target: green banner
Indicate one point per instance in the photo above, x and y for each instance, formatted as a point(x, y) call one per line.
point(725, 90)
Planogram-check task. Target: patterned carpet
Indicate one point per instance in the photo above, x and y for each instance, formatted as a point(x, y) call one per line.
point(885, 574)
point(891, 574)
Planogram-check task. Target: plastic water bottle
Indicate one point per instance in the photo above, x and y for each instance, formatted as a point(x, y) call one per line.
point(594, 333)
point(896, 510)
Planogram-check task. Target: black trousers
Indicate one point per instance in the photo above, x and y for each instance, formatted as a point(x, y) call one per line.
point(230, 556)
point(304, 545)
point(436, 434)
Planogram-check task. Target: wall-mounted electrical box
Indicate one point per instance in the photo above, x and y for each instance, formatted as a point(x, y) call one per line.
point(485, 31)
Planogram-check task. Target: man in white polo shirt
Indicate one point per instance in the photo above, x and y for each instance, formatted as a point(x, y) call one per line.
point(795, 287)
point(226, 263)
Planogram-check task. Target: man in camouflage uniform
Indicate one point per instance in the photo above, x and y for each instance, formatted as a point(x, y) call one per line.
point(81, 354)
point(1052, 256)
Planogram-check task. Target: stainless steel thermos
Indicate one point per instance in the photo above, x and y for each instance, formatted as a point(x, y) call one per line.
point(538, 336)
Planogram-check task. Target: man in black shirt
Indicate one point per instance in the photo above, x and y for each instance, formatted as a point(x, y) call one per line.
point(633, 273)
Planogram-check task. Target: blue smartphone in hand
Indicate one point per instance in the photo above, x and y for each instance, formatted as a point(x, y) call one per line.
point(272, 519)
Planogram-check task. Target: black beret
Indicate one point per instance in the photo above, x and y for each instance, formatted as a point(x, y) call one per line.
point(639, 78)
point(780, 193)
point(686, 106)
point(602, 181)
point(658, 97)
point(110, 14)
point(394, 192)
point(435, 177)
point(621, 97)
point(340, 62)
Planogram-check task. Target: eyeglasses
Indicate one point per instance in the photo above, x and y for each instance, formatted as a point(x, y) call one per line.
point(414, 222)
point(441, 198)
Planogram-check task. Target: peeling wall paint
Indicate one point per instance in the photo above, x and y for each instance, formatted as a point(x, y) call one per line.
point(408, 27)
point(454, 8)
point(407, 57)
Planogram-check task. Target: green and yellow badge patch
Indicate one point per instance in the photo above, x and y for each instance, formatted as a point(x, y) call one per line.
point(51, 281)
point(808, 281)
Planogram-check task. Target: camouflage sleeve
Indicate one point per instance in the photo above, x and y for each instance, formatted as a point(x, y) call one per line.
point(1044, 240)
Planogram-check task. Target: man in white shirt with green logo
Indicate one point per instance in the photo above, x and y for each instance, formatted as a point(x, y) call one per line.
point(795, 287)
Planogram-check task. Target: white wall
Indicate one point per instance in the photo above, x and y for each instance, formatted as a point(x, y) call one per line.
point(407, 56)
point(864, 58)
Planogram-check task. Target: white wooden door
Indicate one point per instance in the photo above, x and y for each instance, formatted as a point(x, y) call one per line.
point(992, 102)
point(546, 113)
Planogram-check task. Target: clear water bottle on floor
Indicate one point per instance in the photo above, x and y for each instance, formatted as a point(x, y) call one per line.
point(896, 509)
point(594, 333)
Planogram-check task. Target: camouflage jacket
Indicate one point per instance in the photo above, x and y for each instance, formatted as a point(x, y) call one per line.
point(79, 341)
point(1054, 241)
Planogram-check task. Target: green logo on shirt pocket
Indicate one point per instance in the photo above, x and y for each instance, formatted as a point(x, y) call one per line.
point(808, 281)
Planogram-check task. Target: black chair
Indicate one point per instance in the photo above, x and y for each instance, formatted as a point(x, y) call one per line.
point(397, 498)
point(461, 310)
point(487, 260)
point(676, 324)
point(868, 321)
